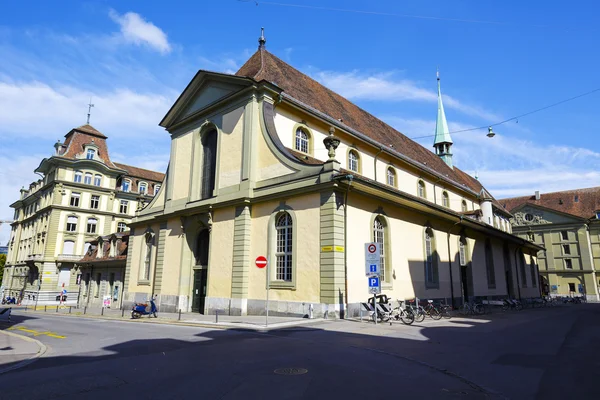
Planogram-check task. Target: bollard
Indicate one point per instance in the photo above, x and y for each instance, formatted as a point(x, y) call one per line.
point(35, 307)
point(56, 308)
point(179, 319)
point(102, 312)
point(70, 309)
point(122, 312)
point(45, 308)
point(360, 312)
point(217, 316)
point(84, 310)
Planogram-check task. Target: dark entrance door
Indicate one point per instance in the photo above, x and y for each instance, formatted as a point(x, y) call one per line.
point(464, 278)
point(199, 293)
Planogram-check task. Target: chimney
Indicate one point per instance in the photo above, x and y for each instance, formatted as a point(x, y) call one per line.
point(537, 194)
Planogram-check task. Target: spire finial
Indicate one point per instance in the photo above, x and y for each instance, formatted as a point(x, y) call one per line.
point(438, 73)
point(261, 39)
point(90, 105)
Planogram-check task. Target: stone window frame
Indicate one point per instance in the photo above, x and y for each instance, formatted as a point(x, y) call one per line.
point(126, 185)
point(309, 138)
point(88, 178)
point(90, 154)
point(123, 206)
point(119, 226)
point(91, 226)
point(387, 281)
point(445, 199)
point(356, 154)
point(68, 223)
point(75, 195)
point(421, 189)
point(144, 185)
point(390, 172)
point(272, 247)
point(97, 180)
point(78, 176)
point(463, 250)
point(97, 198)
point(463, 206)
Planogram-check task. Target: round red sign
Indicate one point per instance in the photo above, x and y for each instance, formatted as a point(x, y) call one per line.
point(261, 262)
point(372, 248)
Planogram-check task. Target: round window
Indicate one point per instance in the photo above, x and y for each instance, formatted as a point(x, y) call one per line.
point(528, 217)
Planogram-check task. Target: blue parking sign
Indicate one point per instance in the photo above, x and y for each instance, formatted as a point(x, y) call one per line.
point(374, 285)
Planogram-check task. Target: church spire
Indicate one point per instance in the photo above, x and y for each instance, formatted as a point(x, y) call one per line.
point(443, 141)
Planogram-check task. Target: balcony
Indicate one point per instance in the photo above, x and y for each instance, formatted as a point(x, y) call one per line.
point(69, 257)
point(34, 257)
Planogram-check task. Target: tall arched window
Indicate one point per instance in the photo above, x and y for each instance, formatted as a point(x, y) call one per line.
point(462, 251)
point(209, 163)
point(71, 224)
point(353, 161)
point(445, 199)
point(91, 225)
point(489, 264)
point(201, 249)
point(283, 250)
point(431, 270)
point(421, 189)
point(149, 242)
point(302, 140)
point(379, 236)
point(78, 176)
point(88, 178)
point(463, 206)
point(391, 176)
point(97, 180)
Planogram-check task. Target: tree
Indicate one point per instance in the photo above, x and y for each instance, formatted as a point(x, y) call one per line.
point(2, 262)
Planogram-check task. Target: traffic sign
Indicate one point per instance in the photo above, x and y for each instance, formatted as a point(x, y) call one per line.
point(372, 259)
point(261, 262)
point(374, 285)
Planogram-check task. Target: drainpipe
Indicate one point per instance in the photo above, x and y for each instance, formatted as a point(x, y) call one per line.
point(517, 273)
point(450, 258)
point(374, 165)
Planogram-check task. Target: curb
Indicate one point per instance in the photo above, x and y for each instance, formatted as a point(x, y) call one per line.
point(211, 325)
point(42, 350)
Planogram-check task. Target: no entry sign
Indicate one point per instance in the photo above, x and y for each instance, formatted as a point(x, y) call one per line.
point(261, 262)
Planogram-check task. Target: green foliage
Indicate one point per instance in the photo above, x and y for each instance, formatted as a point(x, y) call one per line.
point(2, 262)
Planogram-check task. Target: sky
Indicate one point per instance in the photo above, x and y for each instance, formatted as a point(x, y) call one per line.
point(497, 60)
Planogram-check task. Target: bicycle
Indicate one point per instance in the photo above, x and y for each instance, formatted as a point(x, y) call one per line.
point(417, 310)
point(445, 310)
point(432, 311)
point(398, 314)
point(472, 308)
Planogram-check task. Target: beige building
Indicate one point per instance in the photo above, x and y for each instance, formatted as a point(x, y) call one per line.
point(82, 195)
point(268, 162)
point(567, 225)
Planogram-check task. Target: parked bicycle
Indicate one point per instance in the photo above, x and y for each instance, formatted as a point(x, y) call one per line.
point(417, 310)
point(388, 313)
point(432, 311)
point(472, 308)
point(511, 304)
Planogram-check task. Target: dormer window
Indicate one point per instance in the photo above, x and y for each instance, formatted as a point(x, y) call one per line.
point(143, 188)
point(125, 185)
point(576, 199)
point(156, 189)
point(91, 153)
point(302, 140)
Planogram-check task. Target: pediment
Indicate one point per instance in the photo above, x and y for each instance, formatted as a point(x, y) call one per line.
point(529, 214)
point(206, 89)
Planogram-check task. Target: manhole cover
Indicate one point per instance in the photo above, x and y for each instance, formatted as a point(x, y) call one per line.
point(291, 371)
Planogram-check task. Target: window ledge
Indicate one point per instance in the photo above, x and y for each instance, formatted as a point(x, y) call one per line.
point(282, 285)
point(143, 283)
point(432, 285)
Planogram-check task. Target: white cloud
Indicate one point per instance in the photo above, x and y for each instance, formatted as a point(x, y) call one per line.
point(135, 29)
point(382, 87)
point(35, 109)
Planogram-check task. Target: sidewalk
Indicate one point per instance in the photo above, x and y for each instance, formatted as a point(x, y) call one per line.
point(16, 351)
point(254, 322)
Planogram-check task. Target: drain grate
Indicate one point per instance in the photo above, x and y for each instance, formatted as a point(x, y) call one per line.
point(291, 371)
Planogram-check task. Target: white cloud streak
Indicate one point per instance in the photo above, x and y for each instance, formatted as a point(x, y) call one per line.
point(382, 87)
point(135, 29)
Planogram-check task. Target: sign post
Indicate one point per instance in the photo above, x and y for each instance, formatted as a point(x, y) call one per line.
point(262, 262)
point(373, 271)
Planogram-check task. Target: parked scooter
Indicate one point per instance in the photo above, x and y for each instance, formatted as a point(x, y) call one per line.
point(140, 309)
point(9, 300)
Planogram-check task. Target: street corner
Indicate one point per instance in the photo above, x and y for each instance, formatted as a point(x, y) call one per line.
point(18, 351)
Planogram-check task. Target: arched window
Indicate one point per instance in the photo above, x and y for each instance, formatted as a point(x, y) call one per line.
point(71, 224)
point(201, 249)
point(353, 161)
point(143, 188)
point(283, 250)
point(209, 163)
point(431, 270)
point(421, 189)
point(380, 236)
point(125, 185)
point(445, 199)
point(97, 180)
point(149, 242)
point(121, 226)
point(391, 176)
point(90, 154)
point(88, 178)
point(91, 225)
point(462, 251)
point(78, 176)
point(463, 206)
point(302, 141)
point(156, 189)
point(489, 264)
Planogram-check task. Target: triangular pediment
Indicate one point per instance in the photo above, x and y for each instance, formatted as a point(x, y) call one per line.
point(530, 214)
point(205, 90)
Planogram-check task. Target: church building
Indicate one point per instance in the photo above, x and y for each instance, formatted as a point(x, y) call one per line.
point(268, 162)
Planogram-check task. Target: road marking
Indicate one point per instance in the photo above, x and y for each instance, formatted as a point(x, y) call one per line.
point(36, 333)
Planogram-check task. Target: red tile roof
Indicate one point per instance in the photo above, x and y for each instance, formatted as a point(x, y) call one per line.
point(265, 66)
point(588, 201)
point(145, 174)
point(122, 239)
point(85, 134)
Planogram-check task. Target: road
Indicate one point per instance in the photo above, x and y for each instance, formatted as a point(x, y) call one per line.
point(545, 353)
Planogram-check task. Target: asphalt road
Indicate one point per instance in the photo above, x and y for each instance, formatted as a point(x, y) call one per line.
point(547, 353)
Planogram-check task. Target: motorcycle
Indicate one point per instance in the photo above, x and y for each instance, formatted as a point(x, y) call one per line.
point(9, 300)
point(140, 309)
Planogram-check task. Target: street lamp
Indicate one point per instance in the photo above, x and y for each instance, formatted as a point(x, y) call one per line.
point(490, 133)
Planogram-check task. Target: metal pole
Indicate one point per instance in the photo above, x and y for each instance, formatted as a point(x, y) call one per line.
point(179, 318)
point(267, 287)
point(216, 316)
point(375, 307)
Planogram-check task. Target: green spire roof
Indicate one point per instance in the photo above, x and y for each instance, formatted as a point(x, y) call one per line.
point(442, 134)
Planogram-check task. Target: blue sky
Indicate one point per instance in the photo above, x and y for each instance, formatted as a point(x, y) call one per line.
point(497, 60)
